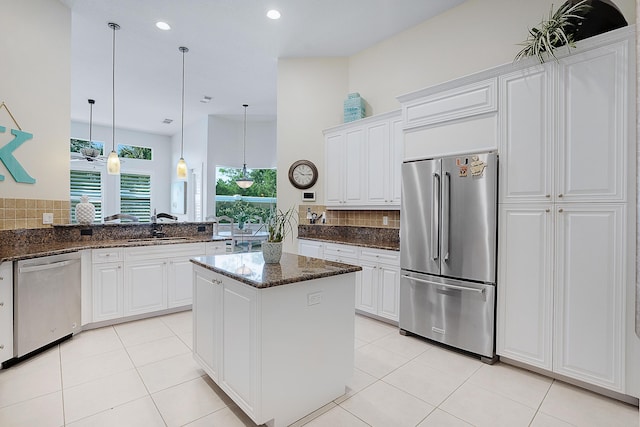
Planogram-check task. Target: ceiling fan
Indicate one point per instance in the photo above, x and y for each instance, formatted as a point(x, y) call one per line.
point(89, 155)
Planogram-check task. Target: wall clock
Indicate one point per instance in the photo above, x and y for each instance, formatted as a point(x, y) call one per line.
point(303, 174)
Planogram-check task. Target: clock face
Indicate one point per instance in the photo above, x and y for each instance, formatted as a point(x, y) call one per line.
point(303, 174)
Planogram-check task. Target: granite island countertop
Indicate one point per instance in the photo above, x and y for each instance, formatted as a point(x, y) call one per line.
point(250, 268)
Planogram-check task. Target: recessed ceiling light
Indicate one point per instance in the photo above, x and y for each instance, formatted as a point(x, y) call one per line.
point(206, 99)
point(163, 25)
point(167, 121)
point(273, 14)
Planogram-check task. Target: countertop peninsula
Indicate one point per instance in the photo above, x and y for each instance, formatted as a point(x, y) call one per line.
point(250, 268)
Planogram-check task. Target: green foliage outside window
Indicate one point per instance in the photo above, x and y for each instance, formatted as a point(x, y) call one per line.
point(264, 186)
point(75, 145)
point(134, 152)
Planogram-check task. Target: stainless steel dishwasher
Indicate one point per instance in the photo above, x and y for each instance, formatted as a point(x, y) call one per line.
point(46, 301)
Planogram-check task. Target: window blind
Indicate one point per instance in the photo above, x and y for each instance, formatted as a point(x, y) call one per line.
point(135, 195)
point(86, 183)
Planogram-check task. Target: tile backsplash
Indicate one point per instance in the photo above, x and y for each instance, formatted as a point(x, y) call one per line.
point(27, 213)
point(361, 218)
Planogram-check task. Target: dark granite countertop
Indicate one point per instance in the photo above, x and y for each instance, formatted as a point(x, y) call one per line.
point(250, 268)
point(35, 250)
point(369, 237)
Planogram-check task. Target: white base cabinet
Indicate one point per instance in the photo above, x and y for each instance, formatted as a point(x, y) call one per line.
point(6, 311)
point(107, 284)
point(277, 357)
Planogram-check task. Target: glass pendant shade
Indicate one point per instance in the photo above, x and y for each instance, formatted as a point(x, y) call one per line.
point(113, 164)
point(245, 181)
point(181, 169)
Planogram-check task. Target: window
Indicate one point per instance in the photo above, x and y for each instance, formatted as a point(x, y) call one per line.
point(134, 152)
point(86, 183)
point(135, 195)
point(241, 204)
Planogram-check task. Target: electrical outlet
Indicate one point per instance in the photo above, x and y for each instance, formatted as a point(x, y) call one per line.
point(47, 218)
point(385, 220)
point(314, 298)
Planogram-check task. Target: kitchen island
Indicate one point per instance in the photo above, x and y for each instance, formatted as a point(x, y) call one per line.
point(277, 338)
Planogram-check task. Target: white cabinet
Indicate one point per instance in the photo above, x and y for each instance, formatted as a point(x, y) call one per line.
point(311, 248)
point(179, 282)
point(207, 322)
point(216, 248)
point(145, 284)
point(6, 311)
point(363, 162)
point(107, 284)
point(567, 163)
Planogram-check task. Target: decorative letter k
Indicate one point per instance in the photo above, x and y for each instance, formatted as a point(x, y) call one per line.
point(11, 163)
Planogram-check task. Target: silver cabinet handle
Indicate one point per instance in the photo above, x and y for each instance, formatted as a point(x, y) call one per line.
point(560, 195)
point(459, 288)
point(548, 196)
point(547, 210)
point(560, 210)
point(1, 346)
point(1, 303)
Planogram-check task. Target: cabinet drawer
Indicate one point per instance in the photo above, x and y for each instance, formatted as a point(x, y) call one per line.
point(381, 256)
point(164, 251)
point(106, 255)
point(340, 251)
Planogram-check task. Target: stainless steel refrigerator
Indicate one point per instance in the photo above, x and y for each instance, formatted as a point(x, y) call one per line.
point(448, 251)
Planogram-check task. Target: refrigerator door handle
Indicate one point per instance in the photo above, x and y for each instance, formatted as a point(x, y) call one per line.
point(435, 214)
point(446, 205)
point(459, 288)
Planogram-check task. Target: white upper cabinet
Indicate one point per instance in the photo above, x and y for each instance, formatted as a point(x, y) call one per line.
point(363, 161)
point(526, 135)
point(592, 124)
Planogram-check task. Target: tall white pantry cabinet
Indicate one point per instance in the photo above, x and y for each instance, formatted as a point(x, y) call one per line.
point(567, 214)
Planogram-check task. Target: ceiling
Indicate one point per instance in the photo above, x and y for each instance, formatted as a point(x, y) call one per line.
point(233, 52)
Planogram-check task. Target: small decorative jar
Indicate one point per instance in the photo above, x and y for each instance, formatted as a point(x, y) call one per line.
point(85, 211)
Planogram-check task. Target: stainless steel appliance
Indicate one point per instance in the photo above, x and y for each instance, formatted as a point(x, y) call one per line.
point(448, 251)
point(47, 301)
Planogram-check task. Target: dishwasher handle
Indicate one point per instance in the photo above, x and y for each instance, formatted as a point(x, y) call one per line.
point(51, 266)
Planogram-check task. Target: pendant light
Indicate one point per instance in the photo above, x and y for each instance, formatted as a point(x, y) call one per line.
point(245, 181)
point(113, 162)
point(181, 169)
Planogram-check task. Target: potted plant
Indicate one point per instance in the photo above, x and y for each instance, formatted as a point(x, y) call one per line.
point(557, 31)
point(278, 225)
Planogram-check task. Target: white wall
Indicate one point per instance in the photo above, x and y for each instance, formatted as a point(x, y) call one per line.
point(310, 95)
point(159, 167)
point(35, 83)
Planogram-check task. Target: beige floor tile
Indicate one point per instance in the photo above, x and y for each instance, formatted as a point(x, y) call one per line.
point(170, 372)
point(98, 395)
point(154, 351)
point(450, 361)
point(544, 420)
point(584, 408)
point(315, 414)
point(382, 405)
point(188, 402)
point(179, 322)
point(89, 343)
point(336, 417)
point(358, 381)
point(439, 418)
point(142, 331)
point(137, 413)
point(87, 369)
point(42, 411)
point(378, 361)
point(359, 343)
point(187, 339)
point(369, 330)
point(404, 345)
point(31, 378)
point(481, 408)
point(225, 417)
point(517, 384)
point(426, 383)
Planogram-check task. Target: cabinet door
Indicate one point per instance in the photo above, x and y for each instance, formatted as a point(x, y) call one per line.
point(367, 288)
point(353, 183)
point(107, 291)
point(397, 155)
point(388, 291)
point(145, 287)
point(526, 137)
point(377, 164)
point(589, 295)
point(239, 369)
point(180, 282)
point(207, 325)
point(334, 163)
point(216, 248)
point(525, 283)
point(592, 125)
point(6, 311)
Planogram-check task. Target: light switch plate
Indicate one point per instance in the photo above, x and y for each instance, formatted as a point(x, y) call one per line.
point(47, 218)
